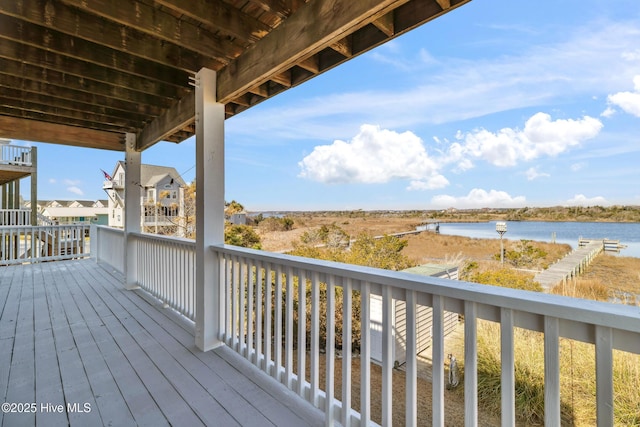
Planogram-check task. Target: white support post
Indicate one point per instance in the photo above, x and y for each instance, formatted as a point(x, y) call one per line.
point(209, 210)
point(131, 210)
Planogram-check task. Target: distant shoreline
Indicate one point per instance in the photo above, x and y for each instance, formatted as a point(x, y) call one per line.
point(621, 214)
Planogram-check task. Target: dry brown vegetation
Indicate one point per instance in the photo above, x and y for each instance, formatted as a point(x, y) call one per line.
point(619, 274)
point(607, 276)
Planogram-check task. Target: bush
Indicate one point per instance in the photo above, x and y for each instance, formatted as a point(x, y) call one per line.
point(505, 278)
point(276, 224)
point(241, 235)
point(524, 254)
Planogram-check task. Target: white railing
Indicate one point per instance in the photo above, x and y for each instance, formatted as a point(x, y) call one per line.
point(15, 217)
point(165, 266)
point(166, 269)
point(107, 246)
point(261, 314)
point(276, 325)
point(114, 183)
point(20, 244)
point(15, 155)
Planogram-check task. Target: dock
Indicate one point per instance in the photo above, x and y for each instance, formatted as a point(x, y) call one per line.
point(574, 263)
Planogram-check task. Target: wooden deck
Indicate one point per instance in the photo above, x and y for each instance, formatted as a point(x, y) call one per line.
point(570, 266)
point(87, 352)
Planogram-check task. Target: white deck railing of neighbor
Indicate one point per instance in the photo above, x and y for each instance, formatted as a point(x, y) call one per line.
point(277, 325)
point(22, 244)
point(15, 155)
point(15, 217)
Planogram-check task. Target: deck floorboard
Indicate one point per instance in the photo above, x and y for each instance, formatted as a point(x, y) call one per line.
point(70, 334)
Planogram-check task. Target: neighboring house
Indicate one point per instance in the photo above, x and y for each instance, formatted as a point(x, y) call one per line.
point(424, 318)
point(161, 198)
point(73, 211)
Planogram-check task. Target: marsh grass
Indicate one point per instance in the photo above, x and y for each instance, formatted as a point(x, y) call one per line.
point(577, 379)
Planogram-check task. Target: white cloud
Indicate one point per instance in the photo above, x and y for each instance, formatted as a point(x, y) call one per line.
point(578, 166)
point(629, 102)
point(479, 198)
point(532, 173)
point(589, 61)
point(432, 183)
point(582, 200)
point(374, 155)
point(540, 137)
point(75, 190)
point(378, 155)
point(52, 181)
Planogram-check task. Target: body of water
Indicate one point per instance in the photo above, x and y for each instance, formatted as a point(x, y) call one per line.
point(565, 232)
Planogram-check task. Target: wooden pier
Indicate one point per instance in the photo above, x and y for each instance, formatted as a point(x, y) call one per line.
point(573, 264)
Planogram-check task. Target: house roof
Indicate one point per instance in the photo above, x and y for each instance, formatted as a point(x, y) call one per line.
point(434, 270)
point(86, 72)
point(72, 212)
point(152, 174)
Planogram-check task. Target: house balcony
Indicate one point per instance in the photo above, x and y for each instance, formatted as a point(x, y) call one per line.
point(16, 162)
point(114, 184)
point(72, 335)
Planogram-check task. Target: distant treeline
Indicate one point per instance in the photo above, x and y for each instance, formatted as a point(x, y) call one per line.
point(555, 213)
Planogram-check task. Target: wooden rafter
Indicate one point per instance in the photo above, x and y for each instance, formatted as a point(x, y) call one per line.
point(110, 67)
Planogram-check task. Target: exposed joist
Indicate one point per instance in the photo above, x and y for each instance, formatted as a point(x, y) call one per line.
point(296, 39)
point(174, 119)
point(261, 90)
point(310, 64)
point(385, 24)
point(220, 16)
point(40, 57)
point(75, 83)
point(417, 12)
point(72, 48)
point(444, 4)
point(21, 112)
point(89, 27)
point(283, 78)
point(77, 96)
point(281, 8)
point(154, 22)
point(49, 103)
point(343, 47)
point(31, 130)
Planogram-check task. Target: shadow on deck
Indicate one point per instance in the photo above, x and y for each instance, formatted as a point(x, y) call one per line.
point(87, 352)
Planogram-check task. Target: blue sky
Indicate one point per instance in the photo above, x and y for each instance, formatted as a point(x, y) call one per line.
point(500, 103)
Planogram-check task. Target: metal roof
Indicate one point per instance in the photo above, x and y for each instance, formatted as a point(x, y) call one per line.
point(85, 72)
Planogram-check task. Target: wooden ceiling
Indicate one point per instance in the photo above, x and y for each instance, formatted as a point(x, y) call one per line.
point(85, 72)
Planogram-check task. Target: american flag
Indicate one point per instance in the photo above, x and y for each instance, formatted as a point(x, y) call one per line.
point(106, 175)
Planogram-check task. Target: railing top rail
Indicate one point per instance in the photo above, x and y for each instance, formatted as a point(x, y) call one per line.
point(48, 227)
point(616, 316)
point(164, 239)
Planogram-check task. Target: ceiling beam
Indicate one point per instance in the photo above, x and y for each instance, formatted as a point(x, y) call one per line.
point(385, 24)
point(71, 82)
point(174, 119)
point(220, 16)
point(72, 47)
point(31, 130)
point(156, 23)
point(305, 33)
point(40, 57)
point(77, 96)
point(92, 28)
